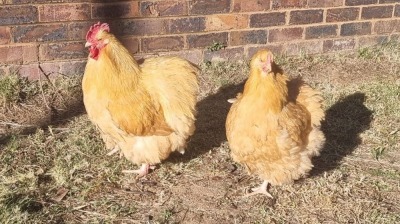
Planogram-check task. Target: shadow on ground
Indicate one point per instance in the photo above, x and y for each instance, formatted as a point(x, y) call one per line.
point(344, 122)
point(210, 123)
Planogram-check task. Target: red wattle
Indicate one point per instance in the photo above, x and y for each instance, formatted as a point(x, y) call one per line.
point(94, 52)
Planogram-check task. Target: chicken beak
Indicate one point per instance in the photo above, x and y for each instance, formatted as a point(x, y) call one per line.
point(268, 64)
point(88, 44)
point(266, 68)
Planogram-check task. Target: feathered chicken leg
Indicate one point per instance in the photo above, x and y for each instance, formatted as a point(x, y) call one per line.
point(143, 171)
point(262, 189)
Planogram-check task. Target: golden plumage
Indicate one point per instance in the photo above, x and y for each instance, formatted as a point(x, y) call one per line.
point(147, 111)
point(273, 128)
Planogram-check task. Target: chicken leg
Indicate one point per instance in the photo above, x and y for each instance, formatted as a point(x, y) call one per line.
point(262, 189)
point(143, 171)
point(113, 151)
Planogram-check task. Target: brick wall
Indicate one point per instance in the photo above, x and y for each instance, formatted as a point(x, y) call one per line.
point(51, 33)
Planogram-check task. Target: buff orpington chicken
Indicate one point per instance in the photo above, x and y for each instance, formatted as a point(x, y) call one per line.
point(146, 111)
point(273, 127)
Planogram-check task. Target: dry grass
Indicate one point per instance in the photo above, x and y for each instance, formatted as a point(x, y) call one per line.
point(27, 105)
point(59, 173)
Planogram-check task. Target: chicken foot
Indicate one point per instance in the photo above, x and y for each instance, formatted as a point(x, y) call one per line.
point(113, 151)
point(143, 171)
point(262, 189)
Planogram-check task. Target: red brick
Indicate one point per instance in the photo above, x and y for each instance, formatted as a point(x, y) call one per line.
point(162, 44)
point(69, 50)
point(140, 27)
point(372, 40)
point(319, 3)
point(376, 12)
point(207, 40)
point(306, 17)
point(309, 47)
point(339, 44)
point(387, 26)
point(226, 54)
point(31, 71)
point(251, 6)
point(360, 2)
point(10, 54)
point(131, 43)
point(78, 30)
point(30, 53)
point(323, 31)
point(5, 35)
point(100, 0)
point(397, 11)
point(72, 67)
point(67, 68)
point(46, 1)
point(194, 56)
point(70, 12)
point(277, 49)
point(267, 19)
point(140, 57)
point(18, 54)
point(33, 33)
point(342, 14)
point(350, 29)
point(50, 68)
point(248, 37)
point(187, 25)
point(205, 7)
point(388, 1)
point(164, 8)
point(286, 34)
point(226, 22)
point(288, 3)
point(115, 10)
point(12, 15)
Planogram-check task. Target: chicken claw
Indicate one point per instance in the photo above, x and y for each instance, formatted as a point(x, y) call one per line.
point(262, 189)
point(231, 100)
point(143, 171)
point(113, 151)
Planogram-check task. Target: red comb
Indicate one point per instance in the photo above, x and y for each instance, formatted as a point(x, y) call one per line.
point(96, 27)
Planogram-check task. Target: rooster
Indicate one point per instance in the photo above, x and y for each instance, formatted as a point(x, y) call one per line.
point(273, 127)
point(145, 111)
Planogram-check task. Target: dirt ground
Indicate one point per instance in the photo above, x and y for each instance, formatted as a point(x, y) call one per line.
point(54, 166)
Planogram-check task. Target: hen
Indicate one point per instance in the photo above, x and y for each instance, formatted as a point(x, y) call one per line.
point(146, 111)
point(273, 127)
